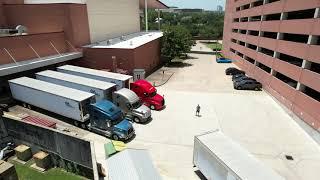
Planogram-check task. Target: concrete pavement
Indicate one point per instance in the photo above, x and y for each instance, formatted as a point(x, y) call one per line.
point(253, 119)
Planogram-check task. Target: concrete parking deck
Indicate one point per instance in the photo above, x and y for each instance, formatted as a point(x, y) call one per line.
point(253, 119)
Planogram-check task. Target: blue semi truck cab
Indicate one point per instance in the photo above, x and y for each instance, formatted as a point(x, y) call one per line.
point(108, 120)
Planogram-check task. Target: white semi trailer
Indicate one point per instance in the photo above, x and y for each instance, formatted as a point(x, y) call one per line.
point(121, 80)
point(219, 158)
point(102, 90)
point(61, 100)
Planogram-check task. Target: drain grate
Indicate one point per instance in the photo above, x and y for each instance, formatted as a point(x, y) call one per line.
point(288, 157)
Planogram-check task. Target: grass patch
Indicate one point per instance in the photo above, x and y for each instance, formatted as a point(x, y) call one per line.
point(27, 173)
point(213, 45)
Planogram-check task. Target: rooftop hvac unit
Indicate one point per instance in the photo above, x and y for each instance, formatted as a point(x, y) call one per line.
point(19, 30)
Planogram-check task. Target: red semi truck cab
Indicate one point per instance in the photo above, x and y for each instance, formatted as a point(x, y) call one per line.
point(148, 94)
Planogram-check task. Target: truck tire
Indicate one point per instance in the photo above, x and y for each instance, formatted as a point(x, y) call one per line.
point(152, 107)
point(115, 137)
point(136, 119)
point(256, 89)
point(83, 126)
point(239, 88)
point(76, 123)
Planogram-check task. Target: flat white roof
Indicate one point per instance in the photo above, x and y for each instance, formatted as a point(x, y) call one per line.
point(128, 42)
point(77, 79)
point(94, 72)
point(52, 88)
point(236, 158)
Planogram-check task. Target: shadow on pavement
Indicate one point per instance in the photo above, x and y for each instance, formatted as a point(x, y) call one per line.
point(178, 64)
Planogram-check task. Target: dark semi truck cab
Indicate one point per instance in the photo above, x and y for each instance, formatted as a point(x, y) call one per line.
point(108, 120)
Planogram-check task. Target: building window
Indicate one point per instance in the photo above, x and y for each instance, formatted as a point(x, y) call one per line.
point(312, 93)
point(254, 33)
point(300, 38)
point(257, 3)
point(244, 19)
point(272, 35)
point(235, 30)
point(273, 17)
point(234, 40)
point(315, 67)
point(286, 80)
point(315, 40)
point(232, 50)
point(240, 54)
point(242, 43)
point(236, 20)
point(264, 67)
point(253, 47)
point(238, 9)
point(271, 1)
point(243, 31)
point(247, 6)
point(255, 18)
point(249, 59)
point(302, 14)
point(290, 59)
point(267, 51)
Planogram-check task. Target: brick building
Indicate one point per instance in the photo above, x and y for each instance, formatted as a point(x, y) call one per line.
point(278, 43)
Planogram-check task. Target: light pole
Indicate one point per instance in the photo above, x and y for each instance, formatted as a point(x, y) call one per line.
point(146, 13)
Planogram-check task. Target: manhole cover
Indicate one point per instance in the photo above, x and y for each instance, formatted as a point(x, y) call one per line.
point(288, 157)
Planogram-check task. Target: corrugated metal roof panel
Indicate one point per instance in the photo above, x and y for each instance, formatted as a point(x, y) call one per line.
point(235, 157)
point(40, 121)
point(132, 164)
point(95, 72)
point(52, 88)
point(77, 79)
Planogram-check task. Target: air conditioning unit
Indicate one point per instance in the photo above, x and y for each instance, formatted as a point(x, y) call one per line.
point(19, 30)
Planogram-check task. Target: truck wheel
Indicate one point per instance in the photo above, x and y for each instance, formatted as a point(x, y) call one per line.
point(115, 137)
point(136, 119)
point(152, 107)
point(83, 126)
point(239, 88)
point(76, 123)
point(257, 89)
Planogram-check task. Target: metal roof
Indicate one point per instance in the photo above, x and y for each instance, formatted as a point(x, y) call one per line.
point(132, 164)
point(132, 96)
point(20, 66)
point(95, 72)
point(130, 41)
point(77, 79)
point(236, 158)
point(52, 88)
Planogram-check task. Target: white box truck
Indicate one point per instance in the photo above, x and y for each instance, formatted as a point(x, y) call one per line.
point(121, 80)
point(219, 158)
point(102, 90)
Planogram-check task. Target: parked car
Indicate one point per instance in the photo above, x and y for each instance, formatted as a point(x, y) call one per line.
point(234, 71)
point(223, 60)
point(243, 78)
point(236, 76)
point(247, 84)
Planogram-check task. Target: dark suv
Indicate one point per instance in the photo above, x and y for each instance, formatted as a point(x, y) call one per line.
point(243, 78)
point(233, 71)
point(248, 85)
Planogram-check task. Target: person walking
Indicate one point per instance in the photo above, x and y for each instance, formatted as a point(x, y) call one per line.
point(198, 110)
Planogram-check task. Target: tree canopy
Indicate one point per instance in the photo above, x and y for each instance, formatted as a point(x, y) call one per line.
point(176, 42)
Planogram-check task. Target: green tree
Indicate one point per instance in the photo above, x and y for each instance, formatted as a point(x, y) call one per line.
point(176, 42)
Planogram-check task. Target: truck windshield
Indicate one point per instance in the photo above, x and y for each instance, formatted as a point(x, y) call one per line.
point(118, 119)
point(137, 104)
point(153, 94)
